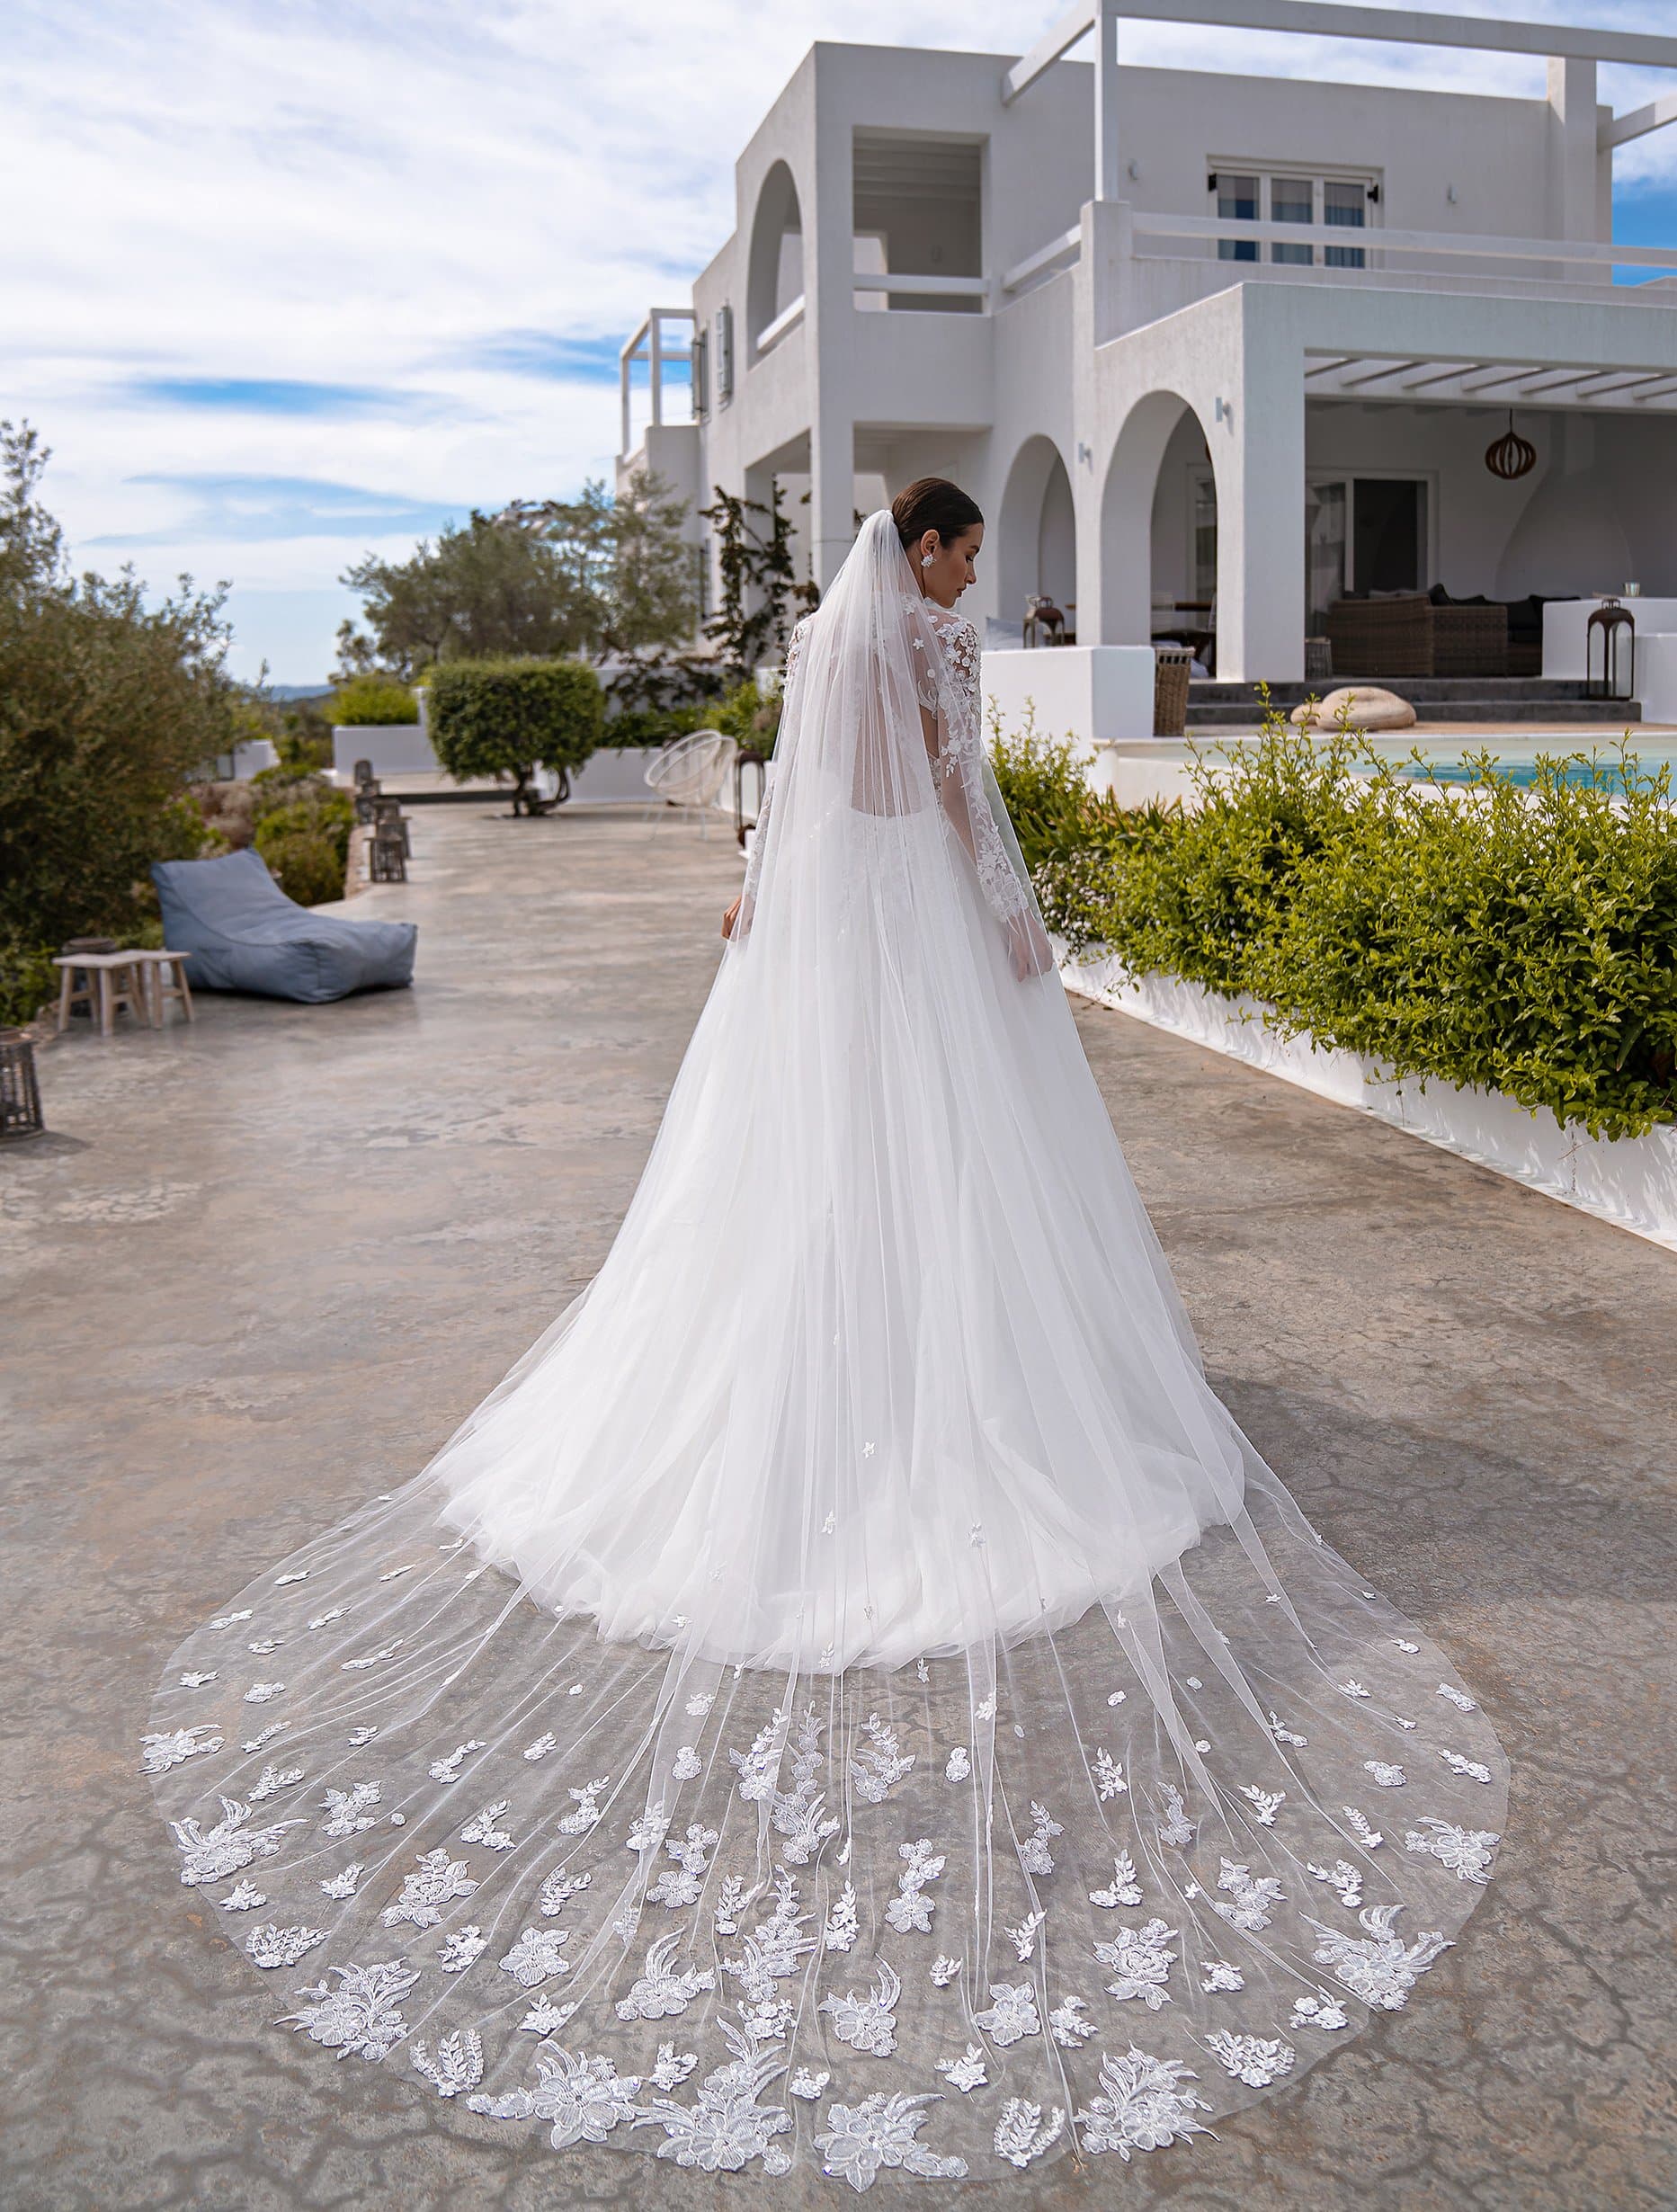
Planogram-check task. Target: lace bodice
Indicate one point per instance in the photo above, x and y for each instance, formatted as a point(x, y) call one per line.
point(949, 693)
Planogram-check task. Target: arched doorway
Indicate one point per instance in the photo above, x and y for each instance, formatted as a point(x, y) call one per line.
point(775, 273)
point(1037, 534)
point(1158, 525)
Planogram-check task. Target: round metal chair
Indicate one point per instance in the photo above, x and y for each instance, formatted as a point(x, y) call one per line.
point(688, 776)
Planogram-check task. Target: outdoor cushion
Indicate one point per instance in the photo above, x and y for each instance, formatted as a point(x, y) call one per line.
point(242, 933)
point(1370, 708)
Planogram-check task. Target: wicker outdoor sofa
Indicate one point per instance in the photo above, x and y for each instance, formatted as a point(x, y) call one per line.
point(1406, 634)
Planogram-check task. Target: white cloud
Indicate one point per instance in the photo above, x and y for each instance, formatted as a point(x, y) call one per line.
point(410, 198)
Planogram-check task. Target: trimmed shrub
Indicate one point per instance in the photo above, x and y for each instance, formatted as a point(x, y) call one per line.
point(1519, 939)
point(369, 702)
point(508, 717)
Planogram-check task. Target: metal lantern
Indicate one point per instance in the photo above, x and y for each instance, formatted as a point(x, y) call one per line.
point(387, 855)
point(20, 1093)
point(1610, 622)
point(1510, 456)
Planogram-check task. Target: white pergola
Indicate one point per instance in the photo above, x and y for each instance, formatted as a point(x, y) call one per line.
point(1502, 384)
point(648, 345)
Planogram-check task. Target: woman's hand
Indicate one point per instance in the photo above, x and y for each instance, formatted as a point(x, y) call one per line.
point(1028, 944)
point(730, 920)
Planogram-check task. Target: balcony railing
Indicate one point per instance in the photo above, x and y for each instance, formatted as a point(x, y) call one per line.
point(648, 346)
point(926, 287)
point(1587, 252)
point(1443, 244)
point(771, 335)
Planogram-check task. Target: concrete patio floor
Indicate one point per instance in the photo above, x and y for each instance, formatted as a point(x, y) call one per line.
point(260, 1268)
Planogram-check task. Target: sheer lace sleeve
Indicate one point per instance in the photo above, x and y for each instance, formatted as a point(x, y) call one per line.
point(951, 694)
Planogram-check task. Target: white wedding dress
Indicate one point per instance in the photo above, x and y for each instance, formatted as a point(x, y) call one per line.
point(851, 1697)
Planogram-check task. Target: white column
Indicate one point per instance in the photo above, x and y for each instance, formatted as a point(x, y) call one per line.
point(1257, 444)
point(832, 490)
point(655, 343)
point(625, 371)
point(1106, 100)
point(1572, 168)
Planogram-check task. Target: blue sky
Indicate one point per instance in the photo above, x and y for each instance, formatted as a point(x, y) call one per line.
point(302, 282)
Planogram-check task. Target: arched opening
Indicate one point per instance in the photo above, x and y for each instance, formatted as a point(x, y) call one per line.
point(775, 278)
point(1035, 535)
point(1158, 529)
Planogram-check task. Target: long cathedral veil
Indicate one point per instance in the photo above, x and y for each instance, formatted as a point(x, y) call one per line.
point(851, 1696)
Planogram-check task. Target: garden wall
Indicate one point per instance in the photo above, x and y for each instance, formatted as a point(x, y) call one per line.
point(1631, 1181)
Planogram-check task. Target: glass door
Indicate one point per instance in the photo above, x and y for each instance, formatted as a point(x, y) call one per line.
point(1389, 533)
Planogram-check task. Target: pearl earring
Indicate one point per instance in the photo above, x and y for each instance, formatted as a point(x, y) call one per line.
point(925, 560)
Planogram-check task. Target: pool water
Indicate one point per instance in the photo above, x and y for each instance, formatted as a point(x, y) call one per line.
point(1607, 772)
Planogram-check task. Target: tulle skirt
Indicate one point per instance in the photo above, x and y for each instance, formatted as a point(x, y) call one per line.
point(851, 1697)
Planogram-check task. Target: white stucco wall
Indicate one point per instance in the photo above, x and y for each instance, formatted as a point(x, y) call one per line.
point(857, 398)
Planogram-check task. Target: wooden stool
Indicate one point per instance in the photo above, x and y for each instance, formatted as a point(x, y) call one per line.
point(114, 982)
point(162, 977)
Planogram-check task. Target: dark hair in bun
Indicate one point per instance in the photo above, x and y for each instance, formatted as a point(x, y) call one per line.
point(933, 503)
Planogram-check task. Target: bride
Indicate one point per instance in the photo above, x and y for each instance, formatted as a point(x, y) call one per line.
point(852, 1698)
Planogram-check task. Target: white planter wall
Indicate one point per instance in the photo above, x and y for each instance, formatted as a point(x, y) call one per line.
point(252, 757)
point(1631, 1181)
point(394, 749)
point(616, 774)
point(1095, 694)
point(1656, 676)
point(1565, 634)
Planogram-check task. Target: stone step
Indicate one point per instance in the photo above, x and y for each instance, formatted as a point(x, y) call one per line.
point(1500, 689)
point(1525, 713)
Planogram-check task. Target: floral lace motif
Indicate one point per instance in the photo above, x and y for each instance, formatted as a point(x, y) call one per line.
point(1143, 2105)
point(1378, 1966)
point(954, 697)
point(743, 1891)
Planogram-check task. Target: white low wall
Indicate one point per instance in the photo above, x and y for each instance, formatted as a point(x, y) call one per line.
point(1566, 635)
point(1630, 1181)
point(1656, 677)
point(616, 774)
point(1095, 694)
point(252, 757)
point(394, 749)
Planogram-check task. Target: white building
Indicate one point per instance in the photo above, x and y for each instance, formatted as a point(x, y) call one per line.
point(1207, 349)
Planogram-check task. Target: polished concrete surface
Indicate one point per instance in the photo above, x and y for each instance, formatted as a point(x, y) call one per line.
point(260, 1268)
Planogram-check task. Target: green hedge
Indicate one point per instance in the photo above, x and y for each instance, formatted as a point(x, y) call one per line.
point(508, 716)
point(742, 713)
point(367, 703)
point(1523, 940)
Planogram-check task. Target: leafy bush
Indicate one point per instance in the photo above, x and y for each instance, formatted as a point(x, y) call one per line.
point(1068, 833)
point(1521, 939)
point(305, 863)
point(507, 718)
point(303, 833)
point(372, 703)
point(652, 726)
point(27, 980)
point(108, 705)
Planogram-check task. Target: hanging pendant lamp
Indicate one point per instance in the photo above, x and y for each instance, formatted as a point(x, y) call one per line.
point(1511, 455)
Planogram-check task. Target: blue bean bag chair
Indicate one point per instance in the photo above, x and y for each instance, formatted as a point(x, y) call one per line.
point(242, 933)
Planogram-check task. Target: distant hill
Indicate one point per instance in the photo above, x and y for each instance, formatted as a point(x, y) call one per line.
point(299, 690)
